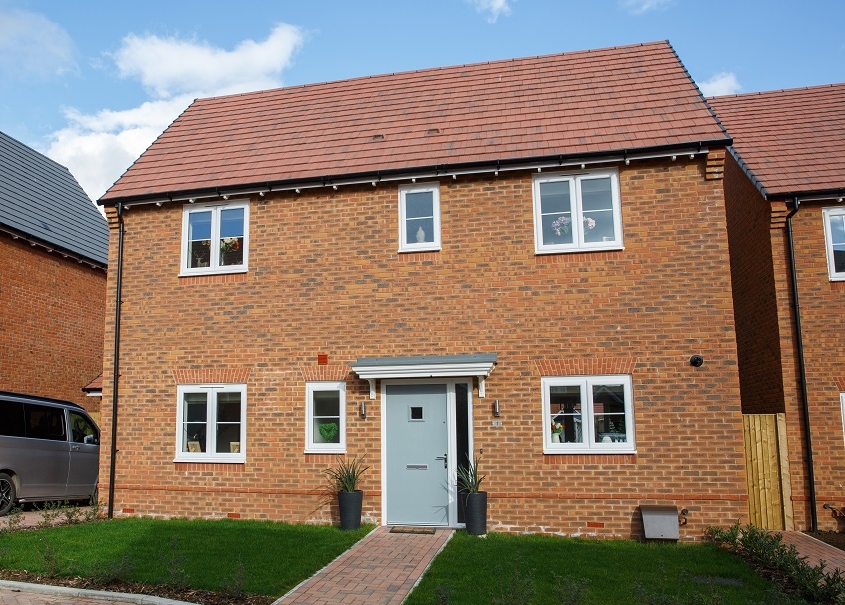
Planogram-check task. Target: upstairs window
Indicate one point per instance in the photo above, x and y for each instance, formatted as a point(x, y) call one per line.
point(834, 229)
point(215, 238)
point(577, 212)
point(419, 218)
point(588, 414)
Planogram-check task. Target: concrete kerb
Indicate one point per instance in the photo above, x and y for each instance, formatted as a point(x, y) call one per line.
point(102, 595)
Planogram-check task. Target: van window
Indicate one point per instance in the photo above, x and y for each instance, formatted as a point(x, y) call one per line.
point(11, 419)
point(82, 430)
point(45, 422)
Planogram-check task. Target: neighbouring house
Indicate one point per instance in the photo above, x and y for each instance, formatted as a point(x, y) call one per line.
point(523, 260)
point(784, 190)
point(54, 243)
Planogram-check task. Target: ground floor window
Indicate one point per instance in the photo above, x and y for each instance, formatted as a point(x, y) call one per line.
point(211, 423)
point(325, 425)
point(587, 414)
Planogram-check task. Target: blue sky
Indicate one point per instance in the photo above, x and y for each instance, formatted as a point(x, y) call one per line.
point(91, 83)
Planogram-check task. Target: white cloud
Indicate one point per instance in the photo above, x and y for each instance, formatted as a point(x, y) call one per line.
point(493, 7)
point(724, 83)
point(97, 148)
point(167, 66)
point(639, 7)
point(32, 46)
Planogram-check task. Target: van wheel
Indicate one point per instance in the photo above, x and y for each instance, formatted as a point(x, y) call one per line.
point(7, 493)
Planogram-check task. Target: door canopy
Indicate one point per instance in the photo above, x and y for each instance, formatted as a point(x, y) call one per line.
point(429, 366)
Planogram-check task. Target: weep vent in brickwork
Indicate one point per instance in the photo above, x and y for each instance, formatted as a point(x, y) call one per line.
point(792, 141)
point(574, 104)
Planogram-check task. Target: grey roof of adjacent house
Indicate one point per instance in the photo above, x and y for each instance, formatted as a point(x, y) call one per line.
point(41, 201)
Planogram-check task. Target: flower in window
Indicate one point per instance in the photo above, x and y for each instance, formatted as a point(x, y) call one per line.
point(563, 224)
point(229, 244)
point(557, 428)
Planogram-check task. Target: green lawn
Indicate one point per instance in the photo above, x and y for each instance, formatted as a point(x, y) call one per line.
point(273, 557)
point(270, 558)
point(503, 569)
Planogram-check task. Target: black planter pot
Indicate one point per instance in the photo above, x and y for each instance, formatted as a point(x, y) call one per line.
point(350, 509)
point(475, 513)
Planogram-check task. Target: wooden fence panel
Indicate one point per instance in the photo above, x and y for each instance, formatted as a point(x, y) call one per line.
point(766, 463)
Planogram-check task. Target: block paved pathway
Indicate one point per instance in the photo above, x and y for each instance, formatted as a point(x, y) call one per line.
point(815, 550)
point(381, 569)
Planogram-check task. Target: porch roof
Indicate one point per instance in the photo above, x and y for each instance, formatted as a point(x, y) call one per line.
point(425, 366)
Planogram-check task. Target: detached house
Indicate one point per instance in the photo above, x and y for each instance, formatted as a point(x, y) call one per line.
point(784, 190)
point(524, 261)
point(54, 243)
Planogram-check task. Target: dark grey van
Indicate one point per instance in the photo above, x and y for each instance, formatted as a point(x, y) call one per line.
point(49, 450)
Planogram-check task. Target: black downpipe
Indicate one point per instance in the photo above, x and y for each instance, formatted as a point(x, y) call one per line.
point(811, 478)
point(116, 368)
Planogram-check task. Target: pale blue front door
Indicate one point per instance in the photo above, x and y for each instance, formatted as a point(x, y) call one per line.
point(417, 443)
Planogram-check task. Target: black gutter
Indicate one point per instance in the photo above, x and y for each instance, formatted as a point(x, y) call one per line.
point(116, 360)
point(811, 478)
point(439, 169)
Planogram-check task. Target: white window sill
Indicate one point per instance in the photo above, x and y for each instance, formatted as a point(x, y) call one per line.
point(324, 450)
point(594, 451)
point(221, 459)
point(584, 249)
point(840, 277)
point(215, 272)
point(433, 248)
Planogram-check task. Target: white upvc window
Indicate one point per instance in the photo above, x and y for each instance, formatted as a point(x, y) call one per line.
point(577, 212)
point(211, 423)
point(588, 414)
point(419, 217)
point(842, 408)
point(834, 231)
point(215, 238)
point(325, 424)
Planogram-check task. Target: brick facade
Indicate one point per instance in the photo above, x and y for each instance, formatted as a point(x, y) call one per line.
point(325, 279)
point(51, 336)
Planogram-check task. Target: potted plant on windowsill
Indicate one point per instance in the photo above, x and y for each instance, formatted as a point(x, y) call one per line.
point(344, 479)
point(475, 511)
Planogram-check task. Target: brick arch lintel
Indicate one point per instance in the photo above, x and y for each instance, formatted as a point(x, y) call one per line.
point(212, 376)
point(592, 366)
point(335, 372)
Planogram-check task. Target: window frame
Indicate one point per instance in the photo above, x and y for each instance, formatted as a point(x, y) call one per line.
point(575, 180)
point(211, 423)
point(312, 447)
point(406, 246)
point(589, 446)
point(216, 209)
point(842, 409)
point(827, 214)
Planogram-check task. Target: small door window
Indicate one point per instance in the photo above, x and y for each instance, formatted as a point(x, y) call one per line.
point(82, 430)
point(415, 413)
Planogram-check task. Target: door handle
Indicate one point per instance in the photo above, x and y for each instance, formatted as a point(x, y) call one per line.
point(444, 458)
point(75, 448)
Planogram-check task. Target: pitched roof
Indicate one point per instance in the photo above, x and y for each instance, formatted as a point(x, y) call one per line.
point(587, 102)
point(792, 141)
point(41, 200)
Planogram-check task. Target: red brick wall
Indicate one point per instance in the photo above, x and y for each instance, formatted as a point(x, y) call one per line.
point(51, 335)
point(755, 302)
point(325, 278)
